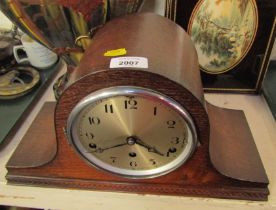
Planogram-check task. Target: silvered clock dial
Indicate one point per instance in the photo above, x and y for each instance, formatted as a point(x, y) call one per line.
point(132, 131)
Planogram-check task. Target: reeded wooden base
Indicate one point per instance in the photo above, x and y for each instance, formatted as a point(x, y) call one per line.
point(39, 162)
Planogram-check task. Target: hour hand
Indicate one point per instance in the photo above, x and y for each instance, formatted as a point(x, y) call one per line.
point(150, 148)
point(100, 150)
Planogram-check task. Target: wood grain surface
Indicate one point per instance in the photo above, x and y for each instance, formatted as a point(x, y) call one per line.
point(67, 170)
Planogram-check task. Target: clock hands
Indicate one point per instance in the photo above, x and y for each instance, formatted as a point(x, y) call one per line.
point(134, 140)
point(100, 150)
point(150, 148)
point(131, 141)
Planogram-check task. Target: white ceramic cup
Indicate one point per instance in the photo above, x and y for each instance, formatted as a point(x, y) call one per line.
point(37, 55)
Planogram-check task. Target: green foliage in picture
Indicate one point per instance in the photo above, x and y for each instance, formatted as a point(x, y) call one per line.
point(223, 32)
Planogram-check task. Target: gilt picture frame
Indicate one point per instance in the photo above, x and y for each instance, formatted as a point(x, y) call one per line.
point(233, 39)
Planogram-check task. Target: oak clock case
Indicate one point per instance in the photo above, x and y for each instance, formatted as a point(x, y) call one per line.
point(140, 130)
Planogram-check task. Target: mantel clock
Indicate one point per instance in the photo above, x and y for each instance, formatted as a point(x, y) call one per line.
point(133, 118)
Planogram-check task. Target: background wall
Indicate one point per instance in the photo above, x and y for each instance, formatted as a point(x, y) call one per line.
point(273, 54)
point(4, 22)
point(157, 6)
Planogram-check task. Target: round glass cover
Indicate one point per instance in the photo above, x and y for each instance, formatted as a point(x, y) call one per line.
point(132, 131)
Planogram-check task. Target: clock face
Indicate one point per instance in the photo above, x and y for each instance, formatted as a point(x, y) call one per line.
point(132, 132)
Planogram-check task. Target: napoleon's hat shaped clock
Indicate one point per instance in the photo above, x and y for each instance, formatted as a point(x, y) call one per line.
point(133, 118)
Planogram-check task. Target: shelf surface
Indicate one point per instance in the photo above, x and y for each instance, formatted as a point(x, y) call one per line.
point(14, 111)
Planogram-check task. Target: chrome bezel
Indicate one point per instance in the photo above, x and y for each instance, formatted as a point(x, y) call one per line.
point(130, 91)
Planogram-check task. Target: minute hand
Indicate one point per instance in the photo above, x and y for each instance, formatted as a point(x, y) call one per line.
point(150, 148)
point(100, 150)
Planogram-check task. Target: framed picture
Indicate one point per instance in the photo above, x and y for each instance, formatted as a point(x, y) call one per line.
point(233, 39)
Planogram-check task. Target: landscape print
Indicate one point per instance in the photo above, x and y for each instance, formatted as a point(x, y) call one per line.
point(223, 32)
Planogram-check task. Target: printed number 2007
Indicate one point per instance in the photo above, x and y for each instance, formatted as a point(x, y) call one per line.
point(128, 63)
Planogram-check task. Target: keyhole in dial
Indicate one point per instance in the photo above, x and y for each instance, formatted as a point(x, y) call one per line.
point(132, 154)
point(93, 146)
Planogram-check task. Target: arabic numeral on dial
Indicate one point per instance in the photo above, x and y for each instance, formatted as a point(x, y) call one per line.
point(155, 111)
point(171, 123)
point(133, 164)
point(131, 104)
point(108, 108)
point(153, 161)
point(113, 159)
point(89, 135)
point(171, 151)
point(94, 120)
point(175, 140)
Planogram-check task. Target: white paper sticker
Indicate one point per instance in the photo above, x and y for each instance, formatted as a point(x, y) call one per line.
point(129, 62)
